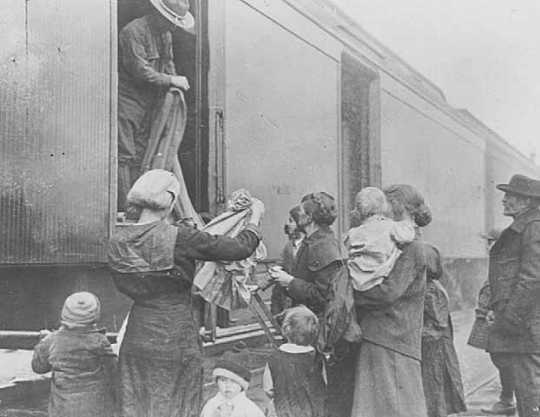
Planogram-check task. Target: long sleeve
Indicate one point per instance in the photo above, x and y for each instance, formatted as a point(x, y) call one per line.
point(40, 359)
point(203, 246)
point(527, 287)
point(405, 271)
point(135, 60)
point(315, 293)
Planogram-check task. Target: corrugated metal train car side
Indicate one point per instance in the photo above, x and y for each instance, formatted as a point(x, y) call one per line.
point(57, 150)
point(300, 99)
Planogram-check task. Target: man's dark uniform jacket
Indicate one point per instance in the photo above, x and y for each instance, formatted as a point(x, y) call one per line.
point(514, 280)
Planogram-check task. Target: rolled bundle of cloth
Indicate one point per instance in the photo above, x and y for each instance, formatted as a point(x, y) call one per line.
point(224, 283)
point(166, 134)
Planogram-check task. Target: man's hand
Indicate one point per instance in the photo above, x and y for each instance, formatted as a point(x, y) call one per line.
point(179, 81)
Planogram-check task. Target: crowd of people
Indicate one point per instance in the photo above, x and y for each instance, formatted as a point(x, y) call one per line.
point(404, 363)
point(400, 307)
point(366, 322)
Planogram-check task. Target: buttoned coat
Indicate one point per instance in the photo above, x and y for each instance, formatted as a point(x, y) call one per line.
point(514, 280)
point(391, 314)
point(318, 262)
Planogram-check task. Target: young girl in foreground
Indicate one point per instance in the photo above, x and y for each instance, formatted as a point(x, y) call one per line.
point(232, 380)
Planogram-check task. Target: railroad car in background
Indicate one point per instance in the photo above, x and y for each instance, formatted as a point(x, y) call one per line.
point(288, 97)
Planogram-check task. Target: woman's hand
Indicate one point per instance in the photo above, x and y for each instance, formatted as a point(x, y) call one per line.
point(281, 277)
point(257, 211)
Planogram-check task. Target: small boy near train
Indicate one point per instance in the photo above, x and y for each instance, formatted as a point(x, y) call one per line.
point(81, 361)
point(232, 380)
point(293, 376)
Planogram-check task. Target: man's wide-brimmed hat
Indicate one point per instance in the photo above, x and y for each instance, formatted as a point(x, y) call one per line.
point(521, 185)
point(175, 11)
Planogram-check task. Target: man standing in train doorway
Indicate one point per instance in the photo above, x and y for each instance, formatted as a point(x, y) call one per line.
point(514, 280)
point(145, 72)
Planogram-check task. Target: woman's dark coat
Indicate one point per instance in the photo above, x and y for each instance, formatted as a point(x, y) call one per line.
point(388, 372)
point(441, 375)
point(319, 261)
point(391, 314)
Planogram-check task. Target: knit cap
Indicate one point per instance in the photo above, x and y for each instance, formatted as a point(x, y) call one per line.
point(80, 309)
point(234, 371)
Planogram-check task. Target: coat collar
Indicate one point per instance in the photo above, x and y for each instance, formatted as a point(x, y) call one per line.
point(321, 233)
point(521, 221)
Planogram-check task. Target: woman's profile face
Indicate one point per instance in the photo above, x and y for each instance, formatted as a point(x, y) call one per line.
point(393, 211)
point(397, 210)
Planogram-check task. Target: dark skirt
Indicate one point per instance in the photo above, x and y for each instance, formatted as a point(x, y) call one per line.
point(441, 377)
point(160, 388)
point(387, 384)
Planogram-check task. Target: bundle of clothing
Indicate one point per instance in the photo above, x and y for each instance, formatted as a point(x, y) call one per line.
point(225, 283)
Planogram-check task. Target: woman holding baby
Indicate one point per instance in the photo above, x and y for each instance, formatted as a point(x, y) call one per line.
point(387, 268)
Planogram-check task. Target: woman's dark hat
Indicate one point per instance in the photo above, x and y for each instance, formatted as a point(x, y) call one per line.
point(176, 11)
point(521, 185)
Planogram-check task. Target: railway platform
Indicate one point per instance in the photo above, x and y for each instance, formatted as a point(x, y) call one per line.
point(24, 394)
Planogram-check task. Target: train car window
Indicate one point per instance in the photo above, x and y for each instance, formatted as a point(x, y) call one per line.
point(190, 54)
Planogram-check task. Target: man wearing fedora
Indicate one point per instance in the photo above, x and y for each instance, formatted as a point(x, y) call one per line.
point(145, 72)
point(514, 280)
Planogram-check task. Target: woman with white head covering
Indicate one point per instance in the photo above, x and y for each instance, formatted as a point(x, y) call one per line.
point(153, 263)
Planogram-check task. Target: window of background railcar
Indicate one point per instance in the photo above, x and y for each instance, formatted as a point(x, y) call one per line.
point(191, 60)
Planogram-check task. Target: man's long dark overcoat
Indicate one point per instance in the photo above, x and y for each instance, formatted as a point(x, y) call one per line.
point(514, 279)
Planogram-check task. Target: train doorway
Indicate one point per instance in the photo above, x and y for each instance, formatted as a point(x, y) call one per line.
point(359, 130)
point(191, 60)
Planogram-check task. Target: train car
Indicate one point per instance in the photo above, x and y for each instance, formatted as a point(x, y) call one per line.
point(288, 97)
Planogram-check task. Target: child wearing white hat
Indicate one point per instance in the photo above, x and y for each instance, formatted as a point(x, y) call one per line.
point(81, 361)
point(232, 380)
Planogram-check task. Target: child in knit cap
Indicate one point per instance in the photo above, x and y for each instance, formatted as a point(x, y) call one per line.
point(81, 361)
point(374, 244)
point(293, 376)
point(232, 380)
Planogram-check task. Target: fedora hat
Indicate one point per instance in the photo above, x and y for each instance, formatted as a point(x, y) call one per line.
point(521, 185)
point(176, 11)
